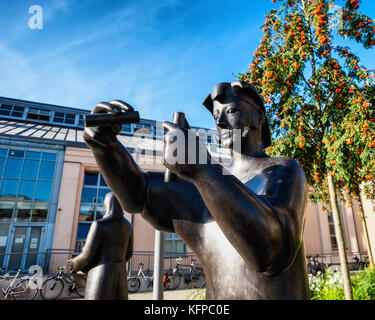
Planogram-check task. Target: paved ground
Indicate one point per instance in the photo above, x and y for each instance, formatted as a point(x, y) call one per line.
point(183, 294)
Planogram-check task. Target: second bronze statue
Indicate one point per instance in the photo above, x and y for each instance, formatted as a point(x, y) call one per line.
point(109, 245)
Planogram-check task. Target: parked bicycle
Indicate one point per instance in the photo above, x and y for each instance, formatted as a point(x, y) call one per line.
point(314, 265)
point(134, 283)
point(53, 287)
point(360, 264)
point(24, 288)
point(193, 277)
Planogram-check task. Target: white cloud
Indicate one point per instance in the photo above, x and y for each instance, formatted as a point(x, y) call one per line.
point(18, 78)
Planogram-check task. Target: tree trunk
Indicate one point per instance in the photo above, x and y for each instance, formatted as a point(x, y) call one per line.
point(340, 240)
point(365, 230)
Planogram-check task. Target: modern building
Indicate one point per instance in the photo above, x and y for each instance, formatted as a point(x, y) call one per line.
point(51, 189)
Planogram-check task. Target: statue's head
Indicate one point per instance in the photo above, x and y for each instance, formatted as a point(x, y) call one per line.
point(112, 206)
point(238, 105)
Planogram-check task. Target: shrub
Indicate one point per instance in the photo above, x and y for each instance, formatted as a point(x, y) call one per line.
point(364, 285)
point(329, 286)
point(197, 294)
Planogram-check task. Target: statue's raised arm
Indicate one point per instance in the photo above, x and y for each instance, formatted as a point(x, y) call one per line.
point(116, 164)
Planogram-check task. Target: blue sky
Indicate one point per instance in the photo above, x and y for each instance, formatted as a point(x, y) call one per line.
point(161, 56)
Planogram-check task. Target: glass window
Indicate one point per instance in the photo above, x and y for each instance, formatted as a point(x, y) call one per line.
point(99, 213)
point(102, 181)
point(92, 198)
point(27, 189)
point(174, 245)
point(46, 171)
point(33, 246)
point(30, 169)
point(127, 128)
point(87, 213)
point(17, 111)
point(17, 248)
point(158, 130)
point(6, 210)
point(23, 210)
point(9, 188)
point(80, 120)
point(16, 153)
point(83, 230)
point(38, 114)
point(168, 247)
point(102, 194)
point(2, 163)
point(59, 114)
point(17, 114)
point(44, 111)
point(59, 117)
point(4, 232)
point(3, 152)
point(58, 120)
point(88, 195)
point(332, 232)
point(33, 155)
point(43, 191)
point(5, 109)
point(179, 246)
point(23, 183)
point(48, 156)
point(39, 212)
point(13, 168)
point(70, 118)
point(91, 179)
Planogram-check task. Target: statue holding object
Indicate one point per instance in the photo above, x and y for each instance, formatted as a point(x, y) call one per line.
point(244, 222)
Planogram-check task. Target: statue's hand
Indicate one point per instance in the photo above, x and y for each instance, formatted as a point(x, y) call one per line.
point(106, 135)
point(184, 153)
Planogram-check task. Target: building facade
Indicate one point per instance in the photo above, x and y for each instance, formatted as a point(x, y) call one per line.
point(51, 189)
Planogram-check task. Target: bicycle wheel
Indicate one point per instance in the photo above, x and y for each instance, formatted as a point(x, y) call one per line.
point(173, 281)
point(9, 296)
point(198, 279)
point(133, 285)
point(52, 289)
point(80, 290)
point(24, 290)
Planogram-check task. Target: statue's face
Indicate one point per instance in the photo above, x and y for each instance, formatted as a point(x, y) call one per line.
point(231, 114)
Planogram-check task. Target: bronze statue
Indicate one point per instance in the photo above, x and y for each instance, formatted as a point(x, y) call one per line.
point(109, 245)
point(245, 222)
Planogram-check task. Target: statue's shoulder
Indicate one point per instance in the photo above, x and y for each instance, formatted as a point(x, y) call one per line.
point(289, 165)
point(288, 162)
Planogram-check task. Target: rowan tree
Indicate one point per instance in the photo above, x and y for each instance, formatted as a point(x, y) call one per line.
point(319, 97)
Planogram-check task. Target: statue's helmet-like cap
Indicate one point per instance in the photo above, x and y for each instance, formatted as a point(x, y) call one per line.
point(246, 92)
point(112, 205)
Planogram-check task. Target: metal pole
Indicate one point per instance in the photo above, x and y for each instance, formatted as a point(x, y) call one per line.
point(158, 265)
point(179, 119)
